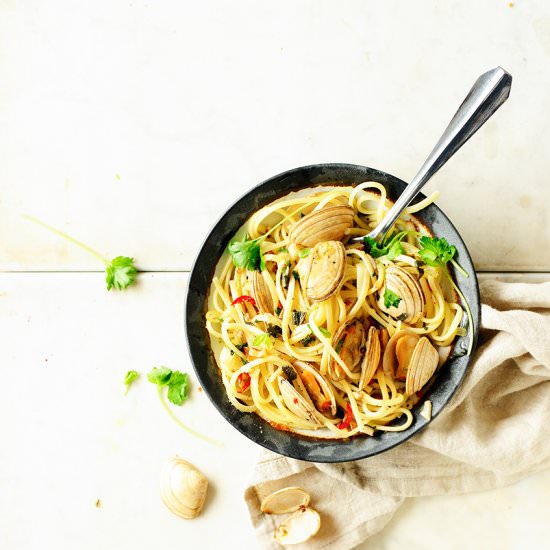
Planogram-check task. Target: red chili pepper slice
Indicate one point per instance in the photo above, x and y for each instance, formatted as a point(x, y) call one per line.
point(325, 406)
point(348, 417)
point(243, 382)
point(242, 299)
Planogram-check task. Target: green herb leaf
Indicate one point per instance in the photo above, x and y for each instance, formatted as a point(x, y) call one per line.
point(391, 299)
point(177, 382)
point(278, 310)
point(274, 330)
point(392, 249)
point(178, 387)
point(159, 376)
point(120, 273)
point(282, 250)
point(373, 248)
point(436, 252)
point(131, 375)
point(307, 340)
point(324, 332)
point(298, 317)
point(247, 254)
point(395, 250)
point(263, 340)
point(296, 275)
point(304, 253)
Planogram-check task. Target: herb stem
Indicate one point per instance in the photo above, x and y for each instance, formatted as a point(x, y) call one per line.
point(181, 424)
point(459, 267)
point(64, 235)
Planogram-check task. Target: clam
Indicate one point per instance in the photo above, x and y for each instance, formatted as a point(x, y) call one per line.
point(299, 527)
point(349, 344)
point(260, 292)
point(321, 401)
point(404, 348)
point(371, 360)
point(285, 501)
point(410, 358)
point(326, 224)
point(411, 305)
point(183, 488)
point(296, 403)
point(423, 363)
point(325, 272)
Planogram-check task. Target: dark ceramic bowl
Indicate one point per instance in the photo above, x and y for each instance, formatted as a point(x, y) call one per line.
point(255, 428)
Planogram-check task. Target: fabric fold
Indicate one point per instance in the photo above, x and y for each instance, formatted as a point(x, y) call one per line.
point(493, 432)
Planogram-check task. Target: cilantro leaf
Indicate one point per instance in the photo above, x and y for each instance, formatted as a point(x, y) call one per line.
point(263, 340)
point(391, 299)
point(120, 273)
point(304, 253)
point(373, 248)
point(395, 250)
point(177, 382)
point(247, 254)
point(178, 387)
point(436, 252)
point(392, 249)
point(131, 375)
point(159, 376)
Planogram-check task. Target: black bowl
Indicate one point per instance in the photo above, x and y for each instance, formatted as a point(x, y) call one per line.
point(255, 428)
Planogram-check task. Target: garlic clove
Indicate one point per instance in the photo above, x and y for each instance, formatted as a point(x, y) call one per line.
point(299, 527)
point(183, 488)
point(284, 501)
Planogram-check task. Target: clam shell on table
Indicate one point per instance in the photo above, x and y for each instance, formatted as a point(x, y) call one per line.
point(285, 501)
point(371, 360)
point(412, 303)
point(183, 488)
point(260, 292)
point(299, 527)
point(296, 403)
point(349, 344)
point(326, 224)
point(325, 270)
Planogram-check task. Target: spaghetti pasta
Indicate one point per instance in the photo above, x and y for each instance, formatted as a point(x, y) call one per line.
point(333, 337)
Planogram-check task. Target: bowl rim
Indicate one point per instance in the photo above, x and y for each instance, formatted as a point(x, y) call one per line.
point(405, 434)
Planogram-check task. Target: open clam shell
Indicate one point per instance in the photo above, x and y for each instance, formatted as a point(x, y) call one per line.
point(325, 270)
point(326, 224)
point(260, 292)
point(422, 366)
point(371, 360)
point(285, 501)
point(299, 527)
point(349, 344)
point(412, 303)
point(296, 403)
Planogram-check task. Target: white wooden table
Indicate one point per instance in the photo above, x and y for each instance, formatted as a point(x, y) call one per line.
point(133, 125)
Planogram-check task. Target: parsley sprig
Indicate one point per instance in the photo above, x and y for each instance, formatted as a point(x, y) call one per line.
point(120, 272)
point(391, 299)
point(247, 253)
point(391, 249)
point(178, 392)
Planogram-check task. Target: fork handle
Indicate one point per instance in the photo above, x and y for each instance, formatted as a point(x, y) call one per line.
point(488, 93)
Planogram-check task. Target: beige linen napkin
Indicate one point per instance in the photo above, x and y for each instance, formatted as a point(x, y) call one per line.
point(494, 431)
